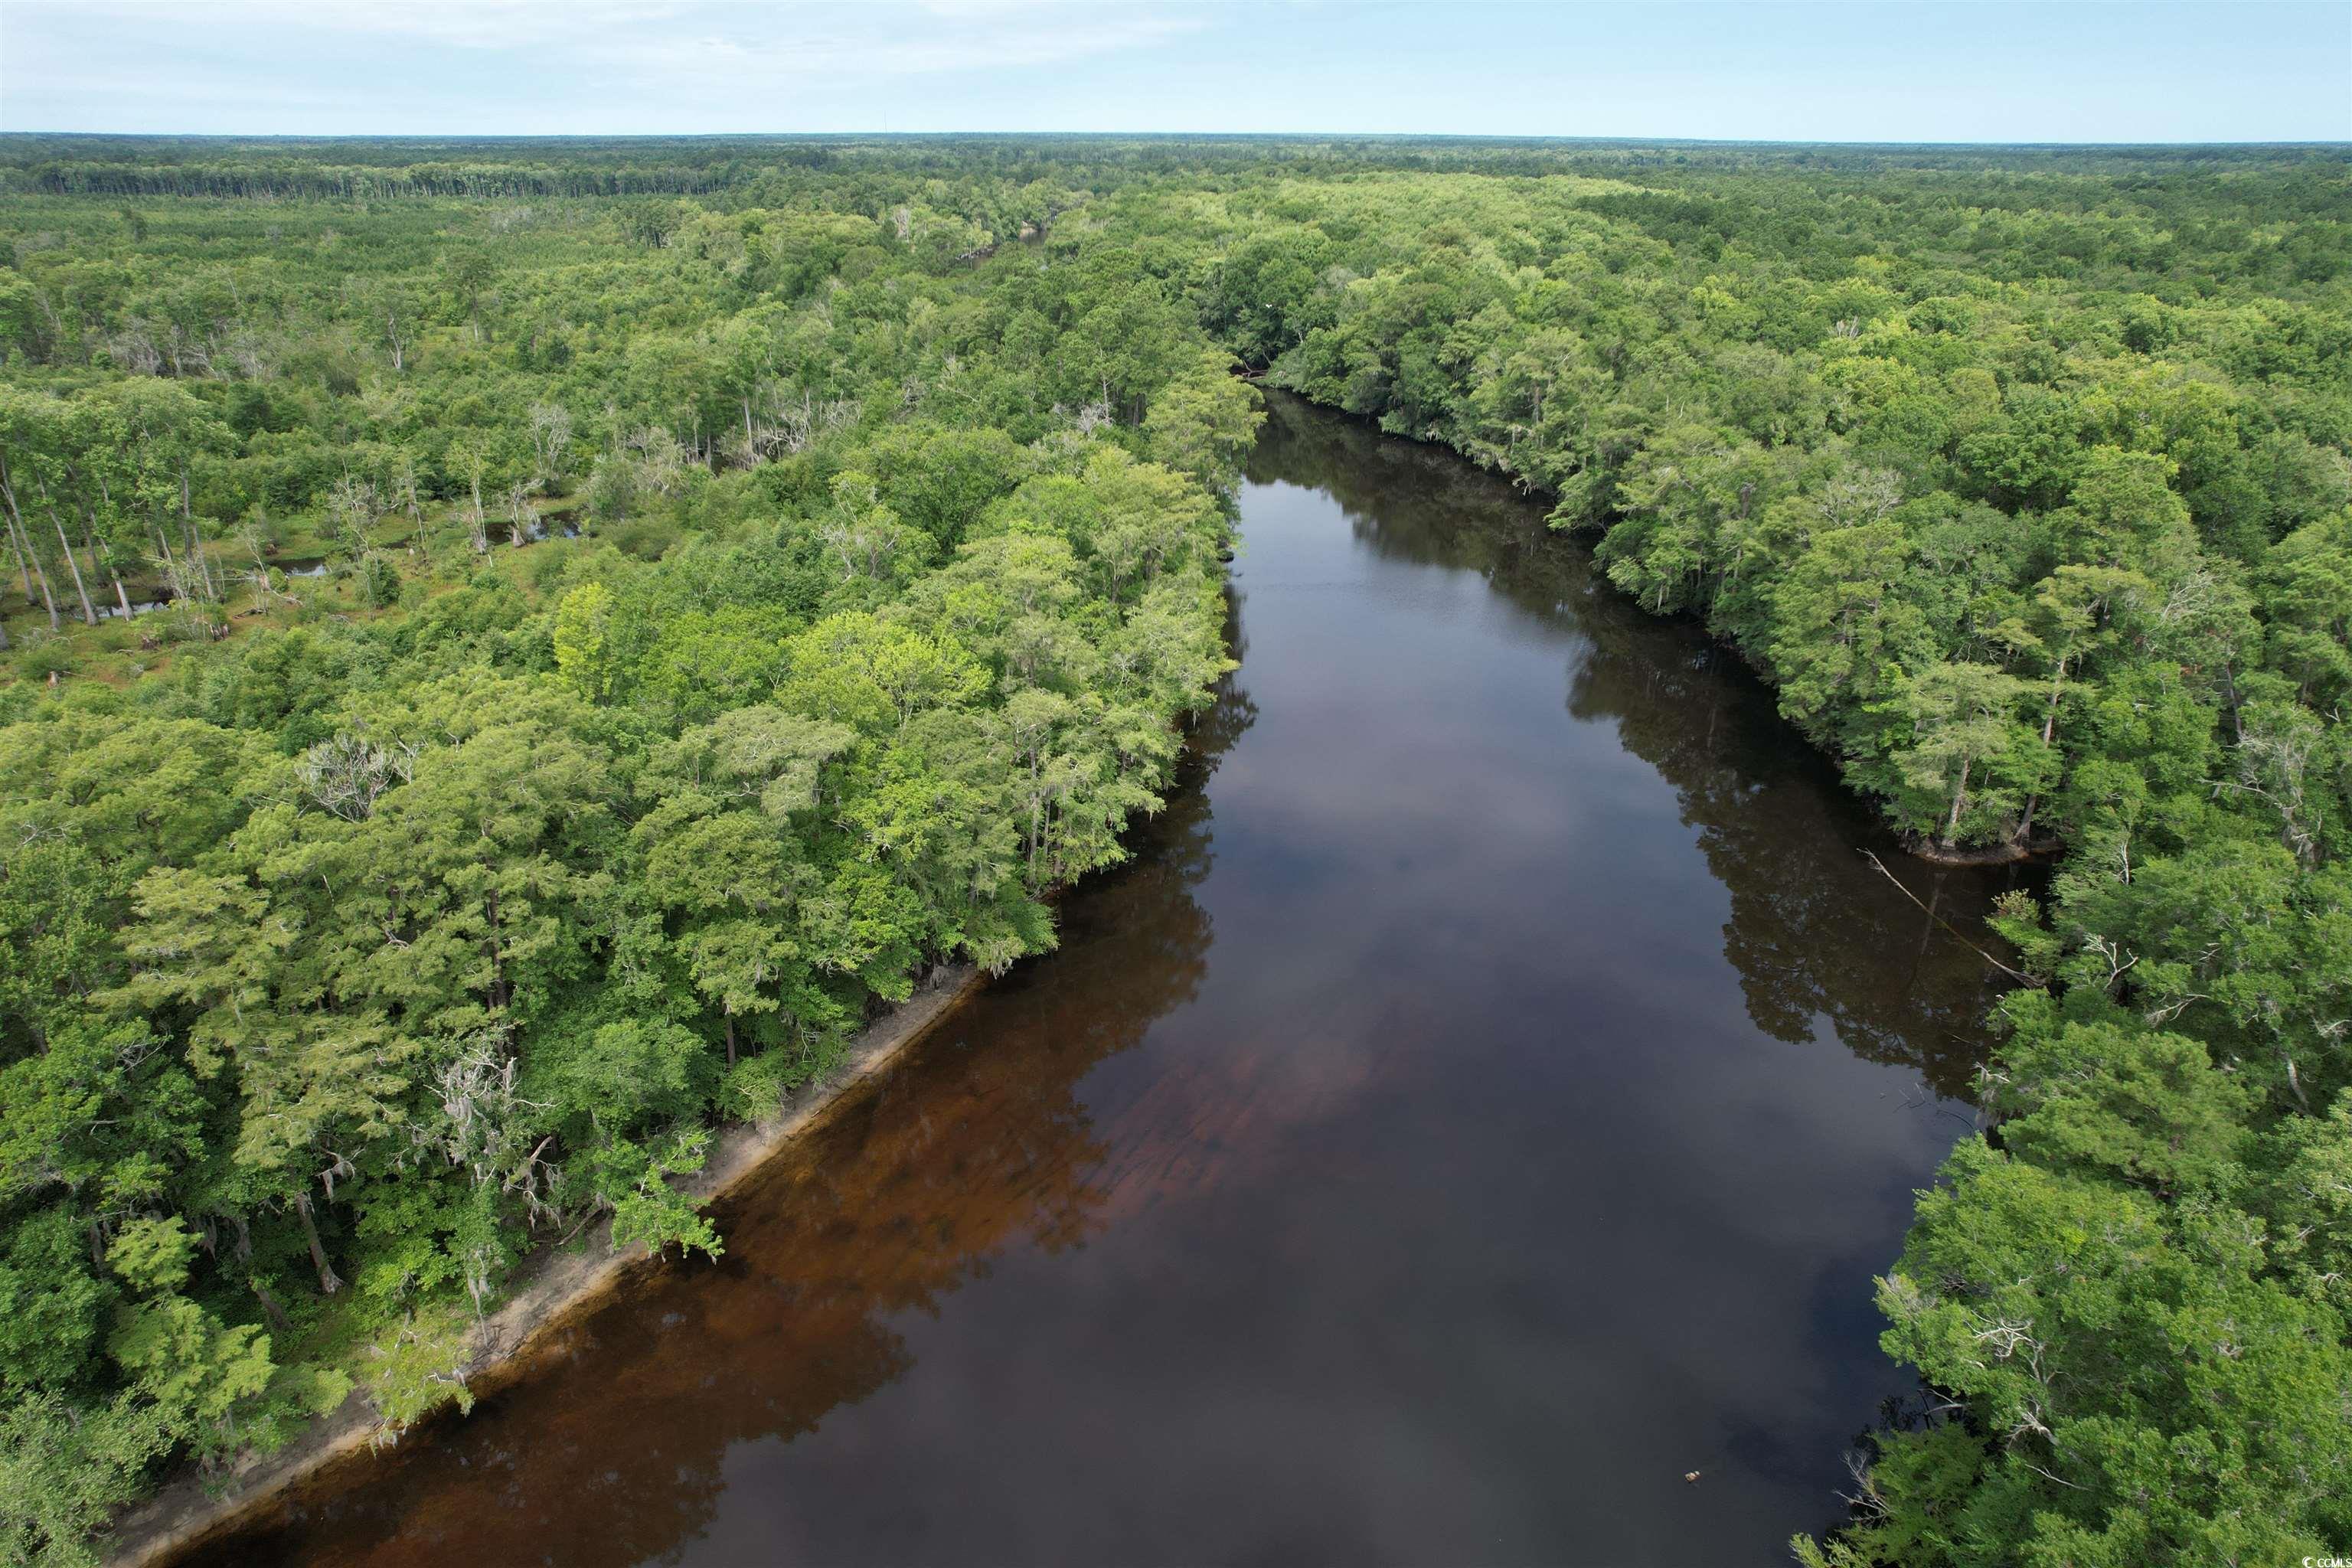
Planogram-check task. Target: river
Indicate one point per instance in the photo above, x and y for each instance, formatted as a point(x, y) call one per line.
point(1484, 1098)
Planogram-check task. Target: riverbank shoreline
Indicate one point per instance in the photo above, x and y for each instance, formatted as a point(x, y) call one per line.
point(1918, 847)
point(553, 1287)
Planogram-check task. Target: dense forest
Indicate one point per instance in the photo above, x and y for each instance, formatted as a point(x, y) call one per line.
point(515, 649)
point(603, 654)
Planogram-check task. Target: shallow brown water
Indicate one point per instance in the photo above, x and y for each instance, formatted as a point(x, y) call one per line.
point(1487, 1096)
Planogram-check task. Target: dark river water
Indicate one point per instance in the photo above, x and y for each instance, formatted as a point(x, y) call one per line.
point(1486, 1097)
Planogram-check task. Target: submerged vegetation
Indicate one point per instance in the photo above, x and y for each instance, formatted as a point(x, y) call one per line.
point(753, 573)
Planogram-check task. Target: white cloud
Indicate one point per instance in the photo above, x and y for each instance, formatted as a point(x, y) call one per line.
point(458, 24)
point(826, 36)
point(546, 65)
point(836, 45)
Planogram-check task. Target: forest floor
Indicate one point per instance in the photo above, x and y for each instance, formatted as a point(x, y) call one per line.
point(553, 1287)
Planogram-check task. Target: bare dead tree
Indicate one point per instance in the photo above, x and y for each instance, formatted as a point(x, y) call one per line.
point(346, 774)
point(550, 438)
point(519, 512)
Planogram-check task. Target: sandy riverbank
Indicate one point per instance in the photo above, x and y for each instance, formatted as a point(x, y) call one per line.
point(552, 1288)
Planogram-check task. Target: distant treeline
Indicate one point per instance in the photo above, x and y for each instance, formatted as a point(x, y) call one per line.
point(590, 656)
point(357, 930)
point(282, 181)
point(340, 169)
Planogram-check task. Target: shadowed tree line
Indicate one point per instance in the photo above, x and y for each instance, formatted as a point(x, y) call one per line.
point(604, 656)
point(903, 1193)
point(2022, 480)
point(476, 640)
point(1810, 920)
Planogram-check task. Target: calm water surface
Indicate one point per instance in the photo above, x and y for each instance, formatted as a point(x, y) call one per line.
point(1485, 1098)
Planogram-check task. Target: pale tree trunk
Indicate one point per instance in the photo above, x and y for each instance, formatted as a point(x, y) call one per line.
point(49, 598)
point(195, 544)
point(24, 565)
point(277, 1314)
point(89, 538)
point(27, 552)
point(191, 551)
point(89, 531)
point(73, 565)
point(328, 1280)
point(163, 543)
point(88, 612)
point(2049, 733)
point(1959, 799)
point(2230, 689)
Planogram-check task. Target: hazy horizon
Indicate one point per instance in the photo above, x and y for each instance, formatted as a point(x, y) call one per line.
point(2115, 74)
point(978, 132)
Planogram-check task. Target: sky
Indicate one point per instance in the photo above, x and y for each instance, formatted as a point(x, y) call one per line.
point(1910, 70)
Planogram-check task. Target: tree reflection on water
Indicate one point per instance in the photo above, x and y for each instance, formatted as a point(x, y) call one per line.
point(609, 1446)
point(1456, 1194)
point(1814, 935)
